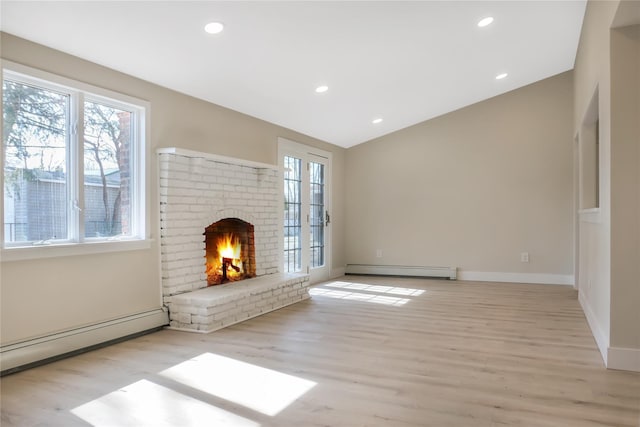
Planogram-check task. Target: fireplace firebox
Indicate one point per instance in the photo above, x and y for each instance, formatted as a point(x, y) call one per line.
point(230, 251)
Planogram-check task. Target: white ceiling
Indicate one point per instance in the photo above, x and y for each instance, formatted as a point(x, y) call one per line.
point(403, 61)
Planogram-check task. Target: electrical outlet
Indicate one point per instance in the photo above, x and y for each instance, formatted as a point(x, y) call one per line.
point(378, 253)
point(524, 257)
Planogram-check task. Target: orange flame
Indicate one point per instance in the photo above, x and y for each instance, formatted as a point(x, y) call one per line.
point(229, 247)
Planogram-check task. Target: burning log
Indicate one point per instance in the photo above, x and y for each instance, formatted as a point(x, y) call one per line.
point(226, 263)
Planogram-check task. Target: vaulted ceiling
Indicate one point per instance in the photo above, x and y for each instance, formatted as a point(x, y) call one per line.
point(402, 62)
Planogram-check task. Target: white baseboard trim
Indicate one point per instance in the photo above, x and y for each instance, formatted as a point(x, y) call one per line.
point(34, 350)
point(602, 340)
point(498, 276)
point(624, 359)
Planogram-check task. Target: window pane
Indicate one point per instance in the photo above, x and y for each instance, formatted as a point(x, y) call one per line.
point(34, 138)
point(107, 170)
point(292, 214)
point(316, 213)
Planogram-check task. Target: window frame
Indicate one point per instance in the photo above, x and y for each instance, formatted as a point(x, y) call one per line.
point(76, 243)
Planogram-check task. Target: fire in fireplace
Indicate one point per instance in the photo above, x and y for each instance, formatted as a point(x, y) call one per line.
point(230, 251)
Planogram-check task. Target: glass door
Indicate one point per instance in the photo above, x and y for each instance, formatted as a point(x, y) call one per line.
point(306, 216)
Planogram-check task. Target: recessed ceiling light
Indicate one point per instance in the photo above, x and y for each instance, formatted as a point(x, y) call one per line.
point(376, 121)
point(501, 76)
point(322, 89)
point(214, 27)
point(485, 21)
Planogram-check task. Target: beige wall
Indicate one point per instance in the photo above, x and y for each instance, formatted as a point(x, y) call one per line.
point(609, 240)
point(44, 296)
point(625, 187)
point(473, 188)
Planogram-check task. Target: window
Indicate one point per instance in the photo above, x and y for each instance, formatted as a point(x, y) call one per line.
point(73, 162)
point(317, 213)
point(292, 214)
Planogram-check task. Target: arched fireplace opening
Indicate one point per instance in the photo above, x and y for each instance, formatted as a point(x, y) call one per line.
point(230, 251)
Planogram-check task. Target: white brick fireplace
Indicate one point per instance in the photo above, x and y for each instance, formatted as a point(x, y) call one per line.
point(196, 190)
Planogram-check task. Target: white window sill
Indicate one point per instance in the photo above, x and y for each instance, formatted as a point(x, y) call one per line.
point(71, 249)
point(589, 215)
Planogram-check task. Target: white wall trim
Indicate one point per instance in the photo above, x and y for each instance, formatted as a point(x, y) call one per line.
point(624, 359)
point(25, 352)
point(602, 340)
point(498, 276)
point(73, 249)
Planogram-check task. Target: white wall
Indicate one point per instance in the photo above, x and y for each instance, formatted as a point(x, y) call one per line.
point(473, 188)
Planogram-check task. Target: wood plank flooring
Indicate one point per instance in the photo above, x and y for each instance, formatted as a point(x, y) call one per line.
point(364, 351)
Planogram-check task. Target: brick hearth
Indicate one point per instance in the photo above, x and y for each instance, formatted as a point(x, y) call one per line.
point(216, 307)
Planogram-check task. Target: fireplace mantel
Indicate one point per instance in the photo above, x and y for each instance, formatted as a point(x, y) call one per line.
point(215, 157)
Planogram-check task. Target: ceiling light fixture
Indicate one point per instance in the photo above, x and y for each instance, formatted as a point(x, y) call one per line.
point(376, 121)
point(485, 21)
point(501, 76)
point(214, 27)
point(322, 89)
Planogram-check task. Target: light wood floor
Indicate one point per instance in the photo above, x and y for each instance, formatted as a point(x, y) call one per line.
point(427, 353)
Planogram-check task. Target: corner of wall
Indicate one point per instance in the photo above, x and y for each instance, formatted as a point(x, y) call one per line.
point(602, 340)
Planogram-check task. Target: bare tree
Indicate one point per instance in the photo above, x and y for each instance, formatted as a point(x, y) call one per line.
point(33, 121)
point(106, 134)
point(34, 141)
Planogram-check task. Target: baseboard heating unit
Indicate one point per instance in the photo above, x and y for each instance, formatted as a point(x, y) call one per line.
point(402, 270)
point(58, 345)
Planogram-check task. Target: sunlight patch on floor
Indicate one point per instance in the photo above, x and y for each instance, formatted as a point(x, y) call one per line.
point(358, 296)
point(145, 403)
point(261, 389)
point(393, 290)
point(378, 294)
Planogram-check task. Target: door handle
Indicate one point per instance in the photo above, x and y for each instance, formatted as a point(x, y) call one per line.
point(327, 218)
